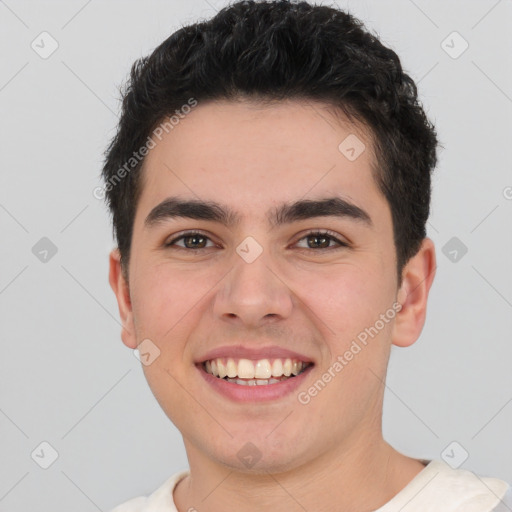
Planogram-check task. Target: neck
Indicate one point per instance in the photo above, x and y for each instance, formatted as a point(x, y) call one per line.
point(361, 478)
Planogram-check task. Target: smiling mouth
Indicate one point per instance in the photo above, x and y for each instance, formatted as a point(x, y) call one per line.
point(247, 372)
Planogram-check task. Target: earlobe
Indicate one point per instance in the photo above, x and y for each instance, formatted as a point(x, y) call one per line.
point(121, 290)
point(417, 277)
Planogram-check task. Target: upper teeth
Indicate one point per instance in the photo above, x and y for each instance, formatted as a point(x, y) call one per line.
point(247, 369)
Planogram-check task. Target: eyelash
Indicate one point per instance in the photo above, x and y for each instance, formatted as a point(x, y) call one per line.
point(327, 233)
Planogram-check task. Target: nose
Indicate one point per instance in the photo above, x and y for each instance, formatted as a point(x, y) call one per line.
point(253, 294)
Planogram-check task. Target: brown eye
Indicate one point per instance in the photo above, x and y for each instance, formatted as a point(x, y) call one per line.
point(194, 241)
point(191, 240)
point(322, 240)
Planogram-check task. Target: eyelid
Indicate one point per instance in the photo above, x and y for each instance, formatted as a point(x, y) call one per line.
point(184, 234)
point(331, 234)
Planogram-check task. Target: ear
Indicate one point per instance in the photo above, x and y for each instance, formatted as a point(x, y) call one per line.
point(121, 289)
point(417, 277)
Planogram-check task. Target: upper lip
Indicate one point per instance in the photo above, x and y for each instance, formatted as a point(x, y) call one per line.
point(243, 352)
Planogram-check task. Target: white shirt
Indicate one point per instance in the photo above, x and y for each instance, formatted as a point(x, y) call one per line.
point(437, 488)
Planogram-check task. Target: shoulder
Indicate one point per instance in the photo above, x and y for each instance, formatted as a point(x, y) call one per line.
point(445, 489)
point(465, 490)
point(161, 499)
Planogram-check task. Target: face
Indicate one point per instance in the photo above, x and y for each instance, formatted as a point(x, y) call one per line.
point(264, 282)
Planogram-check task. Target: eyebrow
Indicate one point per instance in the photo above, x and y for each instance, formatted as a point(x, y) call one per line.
point(286, 213)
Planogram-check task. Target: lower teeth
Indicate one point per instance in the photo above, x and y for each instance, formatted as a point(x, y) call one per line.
point(255, 382)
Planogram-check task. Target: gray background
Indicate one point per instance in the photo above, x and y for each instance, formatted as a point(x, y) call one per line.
point(66, 377)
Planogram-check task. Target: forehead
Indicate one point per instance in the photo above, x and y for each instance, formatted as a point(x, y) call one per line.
point(255, 155)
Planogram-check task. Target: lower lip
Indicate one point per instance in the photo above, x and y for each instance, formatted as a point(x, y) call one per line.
point(256, 393)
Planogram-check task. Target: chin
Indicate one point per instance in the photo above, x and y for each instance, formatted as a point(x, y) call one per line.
point(259, 454)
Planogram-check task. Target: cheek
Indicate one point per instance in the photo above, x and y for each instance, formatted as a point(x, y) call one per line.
point(345, 294)
point(169, 303)
point(348, 302)
point(164, 299)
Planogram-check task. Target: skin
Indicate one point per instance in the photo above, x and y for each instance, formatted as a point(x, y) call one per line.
point(326, 455)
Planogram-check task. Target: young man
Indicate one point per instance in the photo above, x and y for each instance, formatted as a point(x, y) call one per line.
point(270, 185)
